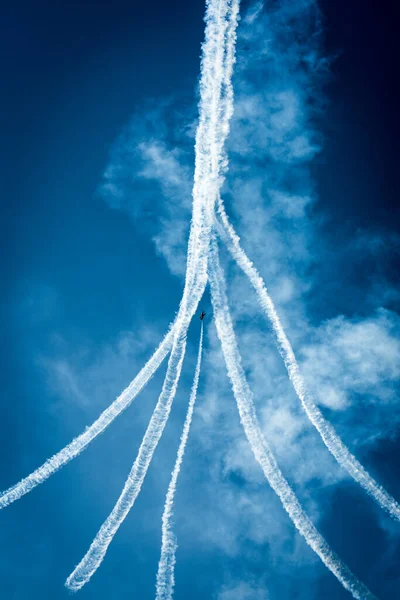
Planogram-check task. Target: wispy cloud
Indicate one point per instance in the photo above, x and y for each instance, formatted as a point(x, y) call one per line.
point(241, 590)
point(355, 364)
point(150, 176)
point(89, 377)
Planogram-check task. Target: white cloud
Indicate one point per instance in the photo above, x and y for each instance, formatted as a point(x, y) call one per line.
point(243, 590)
point(150, 175)
point(93, 376)
point(354, 365)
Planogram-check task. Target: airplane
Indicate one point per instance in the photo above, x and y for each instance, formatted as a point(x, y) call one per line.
point(203, 314)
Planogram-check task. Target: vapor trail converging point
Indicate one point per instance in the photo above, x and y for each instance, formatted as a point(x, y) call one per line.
point(166, 566)
point(258, 444)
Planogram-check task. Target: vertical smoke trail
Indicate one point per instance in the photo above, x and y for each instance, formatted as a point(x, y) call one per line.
point(62, 457)
point(166, 566)
point(206, 189)
point(227, 102)
point(258, 444)
point(329, 436)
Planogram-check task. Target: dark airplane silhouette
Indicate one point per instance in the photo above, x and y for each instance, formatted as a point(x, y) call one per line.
point(203, 314)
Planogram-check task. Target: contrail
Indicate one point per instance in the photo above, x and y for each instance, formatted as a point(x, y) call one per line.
point(62, 457)
point(191, 297)
point(328, 434)
point(166, 566)
point(98, 548)
point(94, 556)
point(206, 189)
point(259, 446)
point(227, 103)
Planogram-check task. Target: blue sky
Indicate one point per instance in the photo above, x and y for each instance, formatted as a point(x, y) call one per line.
point(101, 101)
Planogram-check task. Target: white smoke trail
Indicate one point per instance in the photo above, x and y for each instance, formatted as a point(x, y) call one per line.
point(329, 436)
point(166, 566)
point(62, 457)
point(227, 101)
point(259, 446)
point(94, 556)
point(206, 189)
point(191, 297)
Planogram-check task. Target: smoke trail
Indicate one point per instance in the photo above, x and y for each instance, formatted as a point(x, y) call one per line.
point(74, 448)
point(206, 189)
point(227, 102)
point(259, 446)
point(191, 297)
point(60, 459)
point(329, 436)
point(94, 556)
point(98, 548)
point(166, 566)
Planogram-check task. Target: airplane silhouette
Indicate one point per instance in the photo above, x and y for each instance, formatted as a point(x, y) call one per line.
point(203, 314)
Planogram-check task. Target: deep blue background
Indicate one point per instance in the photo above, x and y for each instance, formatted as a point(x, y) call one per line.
point(73, 73)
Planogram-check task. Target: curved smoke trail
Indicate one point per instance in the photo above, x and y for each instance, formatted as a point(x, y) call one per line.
point(166, 566)
point(328, 434)
point(207, 184)
point(94, 556)
point(258, 444)
point(77, 445)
